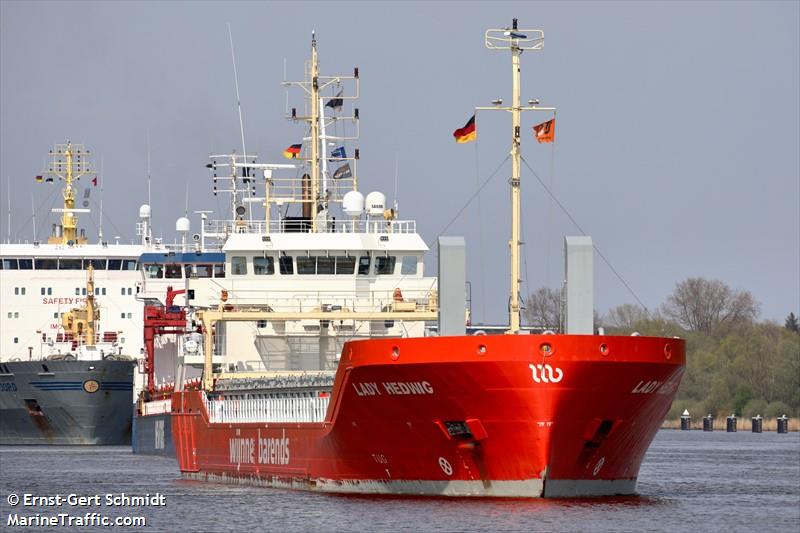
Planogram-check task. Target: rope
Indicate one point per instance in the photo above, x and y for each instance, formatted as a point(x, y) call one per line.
point(602, 256)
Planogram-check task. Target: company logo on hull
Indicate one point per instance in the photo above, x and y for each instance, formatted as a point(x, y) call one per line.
point(546, 373)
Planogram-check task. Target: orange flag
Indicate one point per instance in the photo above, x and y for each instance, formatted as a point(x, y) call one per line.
point(546, 131)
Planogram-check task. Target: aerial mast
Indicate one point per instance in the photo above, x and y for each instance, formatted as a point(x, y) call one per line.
point(324, 188)
point(69, 162)
point(517, 41)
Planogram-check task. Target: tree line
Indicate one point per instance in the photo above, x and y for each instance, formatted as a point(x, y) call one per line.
point(735, 363)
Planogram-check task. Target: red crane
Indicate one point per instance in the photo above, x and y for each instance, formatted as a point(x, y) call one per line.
point(160, 320)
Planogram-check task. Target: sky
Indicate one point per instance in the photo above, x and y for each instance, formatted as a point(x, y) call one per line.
point(677, 132)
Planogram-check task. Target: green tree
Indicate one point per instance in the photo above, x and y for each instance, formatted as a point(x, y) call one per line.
point(792, 324)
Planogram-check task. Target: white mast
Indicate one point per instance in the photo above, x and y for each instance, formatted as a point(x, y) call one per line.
point(241, 122)
point(517, 41)
point(33, 218)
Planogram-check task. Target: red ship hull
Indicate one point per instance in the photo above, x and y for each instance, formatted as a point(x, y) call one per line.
point(578, 425)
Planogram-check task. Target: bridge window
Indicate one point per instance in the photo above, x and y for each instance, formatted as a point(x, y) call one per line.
point(98, 264)
point(219, 270)
point(285, 264)
point(9, 264)
point(46, 264)
point(306, 265)
point(129, 264)
point(239, 265)
point(263, 266)
point(345, 264)
point(363, 265)
point(114, 264)
point(173, 271)
point(153, 271)
point(70, 264)
point(385, 265)
point(26, 264)
point(198, 271)
point(409, 265)
point(325, 265)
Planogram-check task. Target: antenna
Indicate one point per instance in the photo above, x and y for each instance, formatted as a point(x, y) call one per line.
point(238, 106)
point(33, 218)
point(8, 187)
point(100, 226)
point(148, 168)
point(396, 174)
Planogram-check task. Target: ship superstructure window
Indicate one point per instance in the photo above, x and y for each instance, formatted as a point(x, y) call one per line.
point(129, 264)
point(114, 264)
point(153, 271)
point(409, 265)
point(46, 264)
point(363, 265)
point(9, 264)
point(261, 323)
point(98, 264)
point(47, 290)
point(26, 264)
point(326, 265)
point(69, 264)
point(306, 265)
point(345, 264)
point(285, 264)
point(385, 265)
point(173, 271)
point(130, 291)
point(239, 265)
point(199, 271)
point(263, 266)
point(219, 270)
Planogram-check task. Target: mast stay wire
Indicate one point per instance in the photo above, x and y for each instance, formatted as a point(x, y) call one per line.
point(446, 227)
point(36, 212)
point(578, 226)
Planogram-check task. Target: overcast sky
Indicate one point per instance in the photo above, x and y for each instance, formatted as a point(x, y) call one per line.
point(677, 133)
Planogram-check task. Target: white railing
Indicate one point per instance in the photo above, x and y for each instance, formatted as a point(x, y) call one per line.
point(289, 409)
point(157, 407)
point(227, 227)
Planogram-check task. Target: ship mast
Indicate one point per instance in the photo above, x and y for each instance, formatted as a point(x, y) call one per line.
point(314, 132)
point(68, 162)
point(90, 309)
point(517, 41)
point(319, 195)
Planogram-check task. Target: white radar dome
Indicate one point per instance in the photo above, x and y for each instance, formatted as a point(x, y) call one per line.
point(144, 211)
point(376, 203)
point(353, 203)
point(182, 225)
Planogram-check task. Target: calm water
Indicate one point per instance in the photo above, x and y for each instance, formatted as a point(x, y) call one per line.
point(689, 481)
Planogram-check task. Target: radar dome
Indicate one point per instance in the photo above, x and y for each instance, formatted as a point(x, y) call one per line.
point(376, 203)
point(353, 203)
point(144, 211)
point(182, 225)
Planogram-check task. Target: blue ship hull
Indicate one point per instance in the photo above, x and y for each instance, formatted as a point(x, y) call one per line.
point(152, 435)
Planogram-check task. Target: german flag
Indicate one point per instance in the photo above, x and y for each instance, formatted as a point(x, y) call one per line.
point(467, 133)
point(545, 132)
point(293, 151)
point(39, 179)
